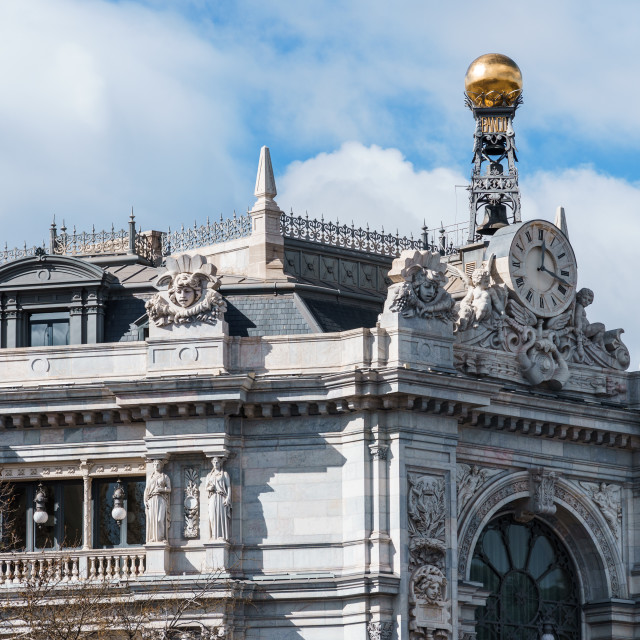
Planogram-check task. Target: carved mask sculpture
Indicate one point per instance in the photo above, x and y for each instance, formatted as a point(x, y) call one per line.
point(191, 293)
point(418, 289)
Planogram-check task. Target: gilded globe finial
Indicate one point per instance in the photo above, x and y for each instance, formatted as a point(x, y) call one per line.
point(493, 80)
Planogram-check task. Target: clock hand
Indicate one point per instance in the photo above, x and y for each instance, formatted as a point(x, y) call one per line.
point(544, 250)
point(555, 275)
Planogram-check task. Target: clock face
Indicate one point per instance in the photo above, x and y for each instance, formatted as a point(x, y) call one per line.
point(542, 268)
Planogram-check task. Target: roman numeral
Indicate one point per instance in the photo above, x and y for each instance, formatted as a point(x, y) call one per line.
point(542, 302)
point(561, 289)
point(528, 234)
point(515, 263)
point(564, 273)
point(530, 295)
point(562, 255)
point(540, 234)
point(519, 247)
point(553, 301)
point(554, 239)
point(519, 282)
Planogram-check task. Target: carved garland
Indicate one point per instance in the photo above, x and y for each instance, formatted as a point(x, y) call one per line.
point(518, 487)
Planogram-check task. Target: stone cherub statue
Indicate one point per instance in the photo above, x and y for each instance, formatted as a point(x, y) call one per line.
point(418, 290)
point(191, 295)
point(483, 301)
point(593, 331)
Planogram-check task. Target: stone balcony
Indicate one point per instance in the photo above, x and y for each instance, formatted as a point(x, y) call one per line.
point(72, 566)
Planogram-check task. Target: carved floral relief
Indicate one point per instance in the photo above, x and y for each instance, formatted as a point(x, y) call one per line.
point(191, 502)
point(429, 615)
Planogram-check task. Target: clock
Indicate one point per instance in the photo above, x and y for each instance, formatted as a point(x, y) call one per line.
point(536, 262)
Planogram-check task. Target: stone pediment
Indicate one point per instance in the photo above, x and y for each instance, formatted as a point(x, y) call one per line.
point(51, 271)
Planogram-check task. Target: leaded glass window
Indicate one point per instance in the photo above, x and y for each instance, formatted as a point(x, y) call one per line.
point(531, 580)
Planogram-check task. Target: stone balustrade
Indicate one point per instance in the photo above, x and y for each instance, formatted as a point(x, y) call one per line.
point(76, 566)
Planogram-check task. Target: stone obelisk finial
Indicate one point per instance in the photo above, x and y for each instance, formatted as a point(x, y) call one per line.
point(561, 221)
point(265, 189)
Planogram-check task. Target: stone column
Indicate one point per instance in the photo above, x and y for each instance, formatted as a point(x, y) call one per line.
point(380, 560)
point(87, 519)
point(13, 317)
point(95, 318)
point(76, 318)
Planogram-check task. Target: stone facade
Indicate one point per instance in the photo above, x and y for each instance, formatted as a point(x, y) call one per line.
point(339, 479)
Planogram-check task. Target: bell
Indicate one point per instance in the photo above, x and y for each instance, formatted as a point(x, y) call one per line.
point(496, 148)
point(495, 217)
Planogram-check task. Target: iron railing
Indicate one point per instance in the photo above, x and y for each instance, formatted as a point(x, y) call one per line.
point(9, 255)
point(345, 236)
point(206, 234)
point(366, 240)
point(154, 245)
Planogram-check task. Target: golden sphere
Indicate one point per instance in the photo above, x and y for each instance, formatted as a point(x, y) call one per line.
point(493, 80)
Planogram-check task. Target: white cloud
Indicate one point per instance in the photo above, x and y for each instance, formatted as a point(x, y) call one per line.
point(370, 185)
point(375, 186)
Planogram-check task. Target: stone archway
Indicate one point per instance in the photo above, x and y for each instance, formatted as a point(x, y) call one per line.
point(531, 579)
point(577, 523)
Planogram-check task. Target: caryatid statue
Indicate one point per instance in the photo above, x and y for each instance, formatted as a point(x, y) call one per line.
point(219, 490)
point(157, 501)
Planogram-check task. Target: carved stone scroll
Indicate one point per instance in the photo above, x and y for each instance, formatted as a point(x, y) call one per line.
point(542, 484)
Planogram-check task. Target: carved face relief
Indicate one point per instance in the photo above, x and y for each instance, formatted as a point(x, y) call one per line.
point(184, 292)
point(425, 288)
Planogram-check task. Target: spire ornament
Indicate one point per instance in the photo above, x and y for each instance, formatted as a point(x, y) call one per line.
point(493, 92)
point(265, 189)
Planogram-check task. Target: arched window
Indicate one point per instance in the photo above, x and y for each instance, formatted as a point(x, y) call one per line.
point(531, 579)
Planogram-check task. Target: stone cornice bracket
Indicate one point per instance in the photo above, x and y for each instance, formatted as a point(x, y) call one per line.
point(542, 488)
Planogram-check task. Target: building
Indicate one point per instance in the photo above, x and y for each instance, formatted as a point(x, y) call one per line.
point(367, 436)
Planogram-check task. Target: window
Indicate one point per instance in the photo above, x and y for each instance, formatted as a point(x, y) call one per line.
point(531, 579)
point(48, 329)
point(132, 531)
point(63, 528)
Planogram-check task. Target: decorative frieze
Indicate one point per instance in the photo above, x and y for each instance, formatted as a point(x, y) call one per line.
point(72, 470)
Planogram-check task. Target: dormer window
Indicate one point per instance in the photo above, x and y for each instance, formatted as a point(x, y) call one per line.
point(49, 329)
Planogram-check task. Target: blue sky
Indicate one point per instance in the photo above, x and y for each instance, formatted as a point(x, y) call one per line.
point(164, 105)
